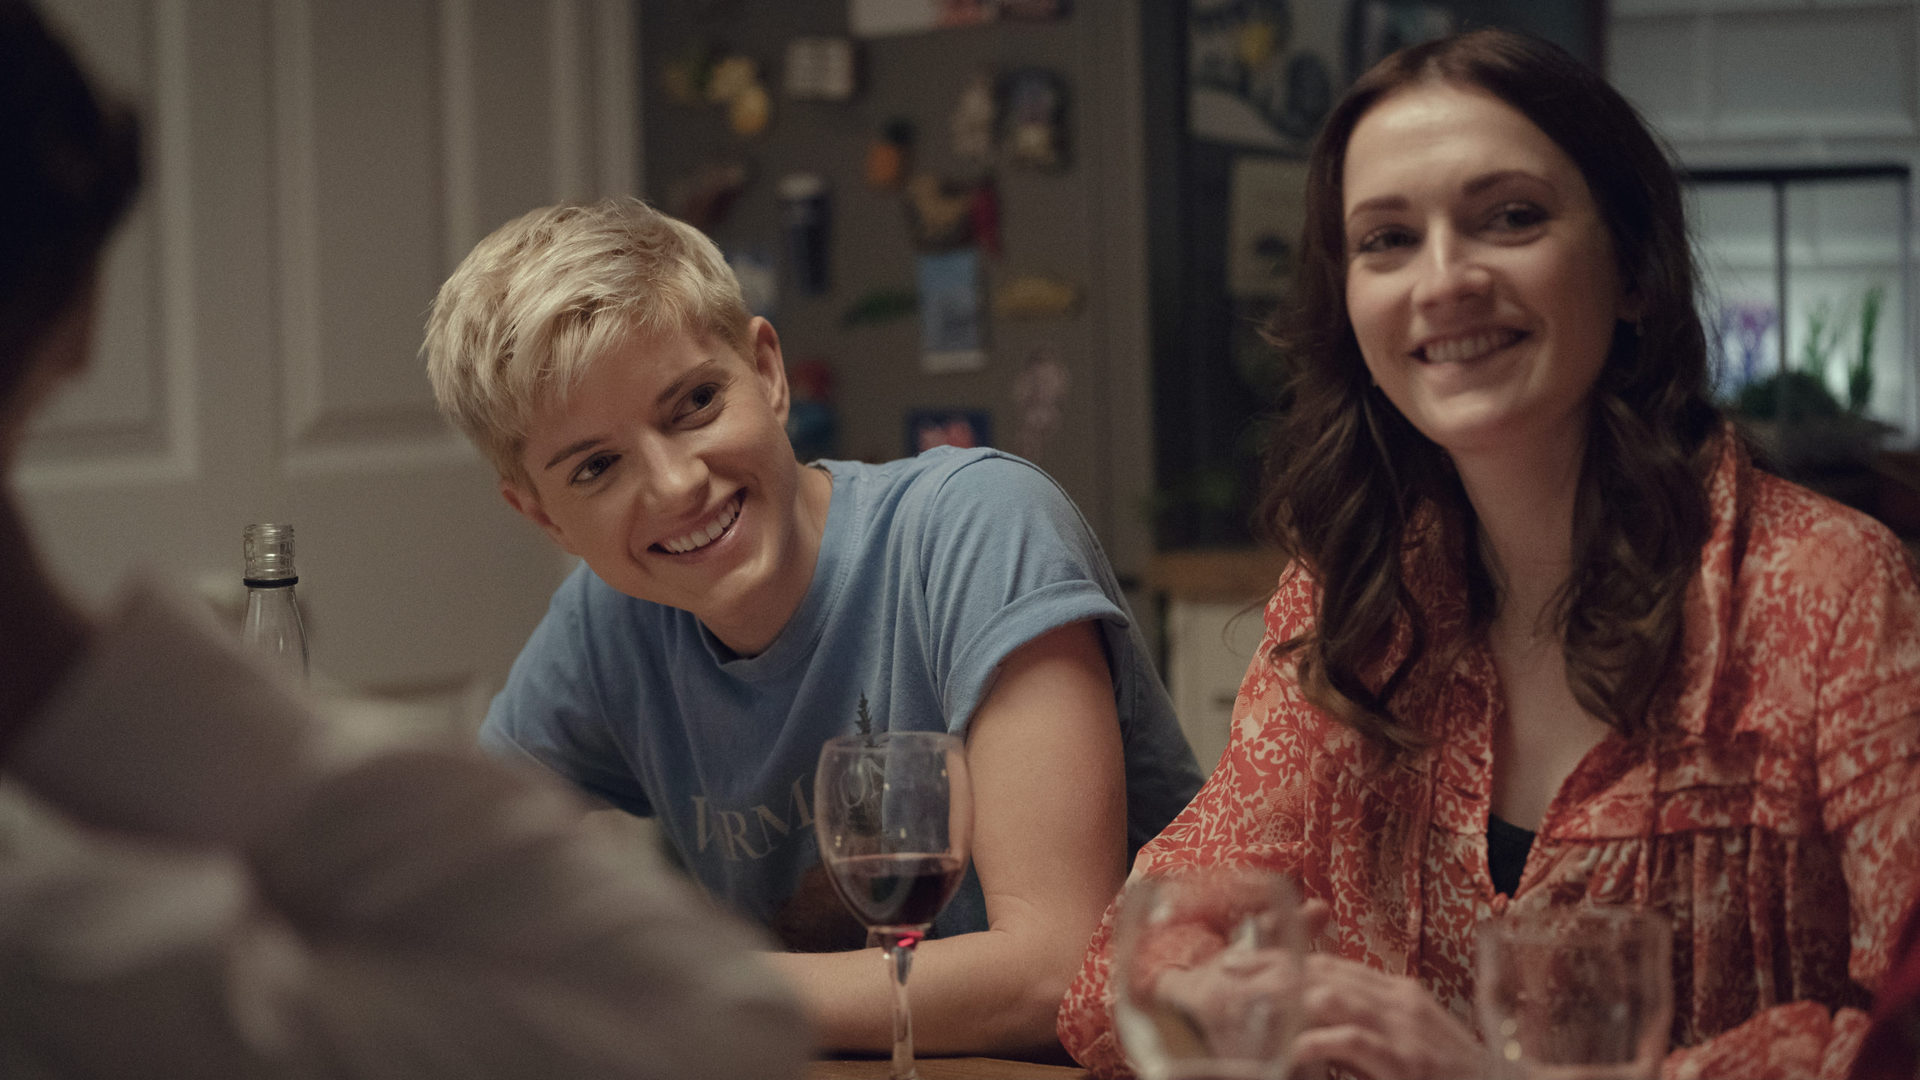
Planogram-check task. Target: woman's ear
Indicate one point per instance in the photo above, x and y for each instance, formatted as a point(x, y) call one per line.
point(526, 502)
point(769, 364)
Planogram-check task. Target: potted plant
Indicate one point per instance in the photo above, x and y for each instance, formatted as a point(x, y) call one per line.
point(1803, 429)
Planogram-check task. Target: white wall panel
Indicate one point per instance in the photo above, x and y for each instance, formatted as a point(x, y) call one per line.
point(1837, 71)
point(358, 140)
point(125, 391)
point(120, 404)
point(616, 96)
point(513, 170)
point(315, 168)
point(130, 414)
point(1661, 63)
point(570, 121)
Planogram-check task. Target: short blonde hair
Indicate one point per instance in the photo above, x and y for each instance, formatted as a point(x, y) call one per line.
point(531, 308)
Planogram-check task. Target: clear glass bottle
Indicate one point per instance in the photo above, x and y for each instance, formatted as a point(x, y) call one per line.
point(272, 625)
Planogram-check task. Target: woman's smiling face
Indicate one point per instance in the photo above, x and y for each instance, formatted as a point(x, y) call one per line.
point(1480, 279)
point(667, 468)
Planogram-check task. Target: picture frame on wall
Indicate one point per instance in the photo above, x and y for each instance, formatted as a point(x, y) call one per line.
point(1263, 73)
point(1260, 73)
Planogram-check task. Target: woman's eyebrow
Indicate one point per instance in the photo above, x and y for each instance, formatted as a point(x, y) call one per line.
point(1378, 202)
point(693, 375)
point(1493, 179)
point(570, 450)
point(1475, 186)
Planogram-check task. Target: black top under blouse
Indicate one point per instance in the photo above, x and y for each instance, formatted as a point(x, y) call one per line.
point(1507, 847)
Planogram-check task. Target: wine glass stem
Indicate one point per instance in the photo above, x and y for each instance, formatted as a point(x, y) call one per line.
point(899, 961)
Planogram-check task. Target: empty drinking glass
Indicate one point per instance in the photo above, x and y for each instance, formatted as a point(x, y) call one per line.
point(1575, 993)
point(1207, 974)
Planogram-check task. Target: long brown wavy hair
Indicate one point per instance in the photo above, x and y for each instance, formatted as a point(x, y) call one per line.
point(1347, 474)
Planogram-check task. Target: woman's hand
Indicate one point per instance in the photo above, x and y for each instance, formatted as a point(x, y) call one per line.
point(1220, 1001)
point(1385, 1027)
point(1235, 1004)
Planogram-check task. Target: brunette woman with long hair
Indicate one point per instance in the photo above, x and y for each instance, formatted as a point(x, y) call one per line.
point(1547, 636)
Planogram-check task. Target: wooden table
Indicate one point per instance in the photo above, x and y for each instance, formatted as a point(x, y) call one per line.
point(935, 1068)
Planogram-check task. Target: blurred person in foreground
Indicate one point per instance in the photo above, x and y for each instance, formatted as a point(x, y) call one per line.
point(1548, 636)
point(198, 879)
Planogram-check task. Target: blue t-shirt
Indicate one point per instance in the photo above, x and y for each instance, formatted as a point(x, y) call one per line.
point(932, 570)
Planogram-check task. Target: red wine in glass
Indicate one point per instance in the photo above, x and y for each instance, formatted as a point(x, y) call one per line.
point(893, 813)
point(898, 892)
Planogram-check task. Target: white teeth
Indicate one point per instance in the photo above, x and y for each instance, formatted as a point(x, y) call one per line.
point(1455, 350)
point(705, 534)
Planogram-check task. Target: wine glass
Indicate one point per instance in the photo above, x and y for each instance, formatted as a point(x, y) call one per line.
point(894, 816)
point(1575, 993)
point(1206, 974)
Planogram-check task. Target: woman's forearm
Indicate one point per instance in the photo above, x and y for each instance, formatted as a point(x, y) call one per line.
point(994, 992)
point(1049, 845)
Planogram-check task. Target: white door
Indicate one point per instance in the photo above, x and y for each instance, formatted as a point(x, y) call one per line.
point(315, 168)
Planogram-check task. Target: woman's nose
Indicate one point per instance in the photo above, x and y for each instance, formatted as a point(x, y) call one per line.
point(672, 479)
point(1449, 272)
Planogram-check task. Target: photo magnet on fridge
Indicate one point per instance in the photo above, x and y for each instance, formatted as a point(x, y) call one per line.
point(952, 313)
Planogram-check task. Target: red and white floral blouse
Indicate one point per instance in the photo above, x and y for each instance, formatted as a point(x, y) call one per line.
point(1777, 824)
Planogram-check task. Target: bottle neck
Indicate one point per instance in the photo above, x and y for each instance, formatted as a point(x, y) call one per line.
point(273, 626)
